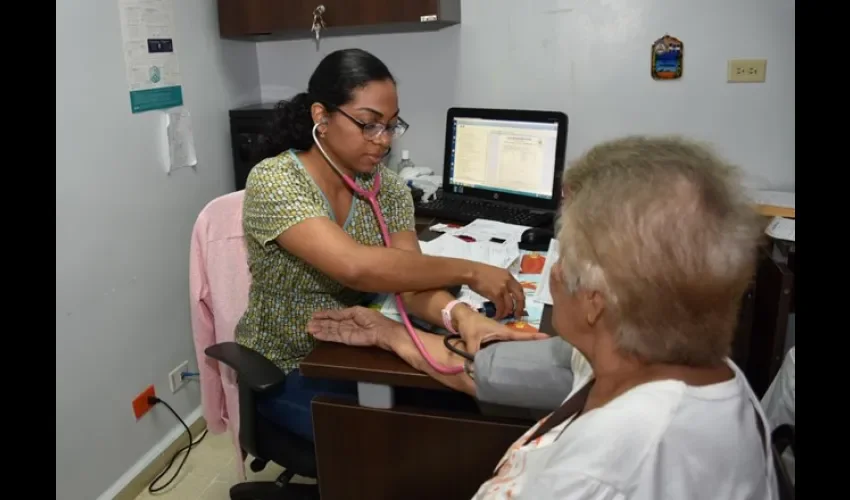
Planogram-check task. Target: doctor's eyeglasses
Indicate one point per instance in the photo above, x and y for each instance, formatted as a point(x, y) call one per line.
point(372, 131)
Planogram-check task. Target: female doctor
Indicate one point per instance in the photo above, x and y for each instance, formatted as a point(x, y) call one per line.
point(314, 245)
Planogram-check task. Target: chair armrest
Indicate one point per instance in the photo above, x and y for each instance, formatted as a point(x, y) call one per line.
point(783, 437)
point(251, 367)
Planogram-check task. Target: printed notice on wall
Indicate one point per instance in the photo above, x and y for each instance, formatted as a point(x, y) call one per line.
point(180, 143)
point(153, 74)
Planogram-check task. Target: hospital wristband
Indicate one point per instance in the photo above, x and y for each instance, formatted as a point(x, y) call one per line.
point(447, 315)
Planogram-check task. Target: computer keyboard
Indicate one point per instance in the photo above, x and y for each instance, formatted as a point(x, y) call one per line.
point(467, 210)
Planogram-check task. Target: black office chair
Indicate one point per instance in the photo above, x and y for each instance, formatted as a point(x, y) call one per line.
point(263, 439)
point(783, 437)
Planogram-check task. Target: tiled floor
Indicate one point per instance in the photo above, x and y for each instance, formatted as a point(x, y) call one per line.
point(209, 473)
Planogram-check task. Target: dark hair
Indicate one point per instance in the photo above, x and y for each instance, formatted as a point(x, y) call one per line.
point(332, 83)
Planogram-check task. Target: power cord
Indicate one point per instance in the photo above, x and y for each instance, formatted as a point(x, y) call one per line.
point(153, 400)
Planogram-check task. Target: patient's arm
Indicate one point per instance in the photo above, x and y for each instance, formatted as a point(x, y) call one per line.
point(360, 326)
point(526, 374)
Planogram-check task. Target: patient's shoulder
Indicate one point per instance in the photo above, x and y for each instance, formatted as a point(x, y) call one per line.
point(612, 442)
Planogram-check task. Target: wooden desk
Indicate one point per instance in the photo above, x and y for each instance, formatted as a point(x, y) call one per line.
point(386, 447)
point(405, 452)
point(399, 449)
point(377, 366)
point(364, 364)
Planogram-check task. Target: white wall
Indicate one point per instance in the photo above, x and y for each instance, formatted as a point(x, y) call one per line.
point(122, 234)
point(590, 59)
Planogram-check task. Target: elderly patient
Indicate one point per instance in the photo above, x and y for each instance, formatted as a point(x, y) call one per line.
point(658, 244)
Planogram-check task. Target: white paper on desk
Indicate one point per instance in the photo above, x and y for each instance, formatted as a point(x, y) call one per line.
point(502, 255)
point(450, 246)
point(781, 228)
point(543, 293)
point(485, 230)
point(444, 228)
point(496, 254)
point(472, 298)
point(389, 309)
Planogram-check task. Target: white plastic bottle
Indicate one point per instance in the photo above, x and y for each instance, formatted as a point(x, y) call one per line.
point(405, 161)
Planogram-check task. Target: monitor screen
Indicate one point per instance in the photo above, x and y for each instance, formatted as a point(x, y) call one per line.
point(504, 156)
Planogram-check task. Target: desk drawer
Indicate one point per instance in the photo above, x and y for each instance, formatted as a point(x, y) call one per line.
point(372, 454)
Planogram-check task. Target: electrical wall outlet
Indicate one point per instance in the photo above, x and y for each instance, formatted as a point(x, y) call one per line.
point(175, 381)
point(141, 404)
point(746, 70)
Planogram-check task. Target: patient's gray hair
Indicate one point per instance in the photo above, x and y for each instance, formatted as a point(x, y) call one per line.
point(663, 229)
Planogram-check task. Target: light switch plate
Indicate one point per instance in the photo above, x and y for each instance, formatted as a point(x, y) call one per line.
point(746, 70)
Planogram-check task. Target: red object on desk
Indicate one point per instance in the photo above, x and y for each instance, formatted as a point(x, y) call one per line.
point(521, 326)
point(467, 239)
point(532, 263)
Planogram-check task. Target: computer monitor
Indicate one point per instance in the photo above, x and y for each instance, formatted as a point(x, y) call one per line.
point(515, 156)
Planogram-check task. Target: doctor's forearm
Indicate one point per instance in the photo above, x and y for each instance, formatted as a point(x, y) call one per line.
point(389, 270)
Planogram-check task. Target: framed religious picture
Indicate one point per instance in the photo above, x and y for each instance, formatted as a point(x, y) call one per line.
point(667, 54)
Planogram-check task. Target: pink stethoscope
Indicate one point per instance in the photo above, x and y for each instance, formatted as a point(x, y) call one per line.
point(372, 197)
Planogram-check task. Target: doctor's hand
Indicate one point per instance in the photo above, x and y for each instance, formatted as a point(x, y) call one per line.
point(500, 287)
point(477, 329)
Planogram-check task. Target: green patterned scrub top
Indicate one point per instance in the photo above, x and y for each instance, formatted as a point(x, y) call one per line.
point(285, 290)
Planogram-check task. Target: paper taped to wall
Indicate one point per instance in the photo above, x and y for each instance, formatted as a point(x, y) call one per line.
point(180, 143)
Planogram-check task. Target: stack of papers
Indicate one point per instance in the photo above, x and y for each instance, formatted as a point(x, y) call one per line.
point(482, 230)
point(781, 228)
point(485, 252)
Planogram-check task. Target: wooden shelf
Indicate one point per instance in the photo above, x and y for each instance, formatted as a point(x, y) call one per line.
point(262, 20)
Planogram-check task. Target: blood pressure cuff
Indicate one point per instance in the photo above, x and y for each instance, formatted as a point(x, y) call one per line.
point(527, 374)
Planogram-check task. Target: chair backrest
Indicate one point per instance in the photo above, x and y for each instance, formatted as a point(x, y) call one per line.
point(783, 438)
point(228, 280)
point(227, 262)
point(219, 282)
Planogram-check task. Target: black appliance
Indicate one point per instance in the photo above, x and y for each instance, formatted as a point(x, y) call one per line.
point(247, 126)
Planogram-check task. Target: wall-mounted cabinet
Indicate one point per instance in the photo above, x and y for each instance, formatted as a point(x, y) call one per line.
point(292, 19)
